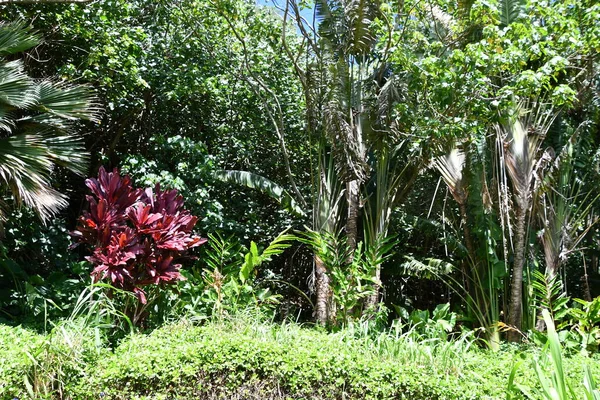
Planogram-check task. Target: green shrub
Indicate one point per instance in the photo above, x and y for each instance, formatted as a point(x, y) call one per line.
point(240, 359)
point(244, 360)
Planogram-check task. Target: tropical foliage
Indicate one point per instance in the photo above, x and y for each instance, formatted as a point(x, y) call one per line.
point(416, 177)
point(36, 117)
point(136, 237)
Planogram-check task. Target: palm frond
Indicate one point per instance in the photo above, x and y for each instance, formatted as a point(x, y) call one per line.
point(67, 101)
point(63, 149)
point(17, 89)
point(331, 247)
point(389, 95)
point(444, 21)
point(562, 208)
point(428, 268)
point(522, 134)
point(258, 182)
point(7, 122)
point(549, 293)
point(510, 11)
point(327, 208)
point(347, 26)
point(15, 37)
point(451, 168)
point(25, 166)
point(360, 15)
point(42, 142)
point(330, 16)
point(348, 148)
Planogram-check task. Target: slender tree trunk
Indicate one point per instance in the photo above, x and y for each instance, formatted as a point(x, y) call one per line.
point(353, 194)
point(515, 312)
point(470, 250)
point(373, 299)
point(322, 292)
point(587, 293)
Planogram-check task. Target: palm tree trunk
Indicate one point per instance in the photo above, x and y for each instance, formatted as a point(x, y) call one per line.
point(516, 290)
point(322, 292)
point(353, 214)
point(470, 249)
point(373, 299)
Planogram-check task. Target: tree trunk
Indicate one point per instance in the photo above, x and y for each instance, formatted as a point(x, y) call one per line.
point(322, 292)
point(353, 213)
point(516, 288)
point(470, 250)
point(373, 299)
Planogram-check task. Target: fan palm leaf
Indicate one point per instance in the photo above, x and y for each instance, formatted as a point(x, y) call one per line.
point(15, 38)
point(35, 120)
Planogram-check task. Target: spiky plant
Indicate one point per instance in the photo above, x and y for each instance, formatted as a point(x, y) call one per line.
point(522, 134)
point(451, 167)
point(562, 208)
point(35, 121)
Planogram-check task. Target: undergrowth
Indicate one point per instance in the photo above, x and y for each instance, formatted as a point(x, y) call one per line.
point(241, 358)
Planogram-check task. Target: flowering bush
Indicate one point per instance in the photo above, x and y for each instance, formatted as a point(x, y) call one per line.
point(136, 235)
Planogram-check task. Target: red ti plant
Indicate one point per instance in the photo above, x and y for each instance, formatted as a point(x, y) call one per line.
point(136, 236)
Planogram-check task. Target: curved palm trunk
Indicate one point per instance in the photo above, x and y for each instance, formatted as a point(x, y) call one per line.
point(515, 313)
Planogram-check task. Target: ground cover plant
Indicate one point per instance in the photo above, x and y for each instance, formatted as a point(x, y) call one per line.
point(299, 199)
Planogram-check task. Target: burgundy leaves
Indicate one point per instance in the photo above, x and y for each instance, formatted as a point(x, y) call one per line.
point(136, 235)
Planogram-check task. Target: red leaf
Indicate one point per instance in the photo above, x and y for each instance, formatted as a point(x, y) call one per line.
point(135, 235)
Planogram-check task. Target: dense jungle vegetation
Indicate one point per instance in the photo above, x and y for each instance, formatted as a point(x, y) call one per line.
point(297, 199)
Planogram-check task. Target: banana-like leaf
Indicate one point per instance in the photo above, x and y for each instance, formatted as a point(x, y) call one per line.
point(251, 260)
point(266, 186)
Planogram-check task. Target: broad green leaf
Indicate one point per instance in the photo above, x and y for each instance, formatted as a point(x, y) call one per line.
point(262, 184)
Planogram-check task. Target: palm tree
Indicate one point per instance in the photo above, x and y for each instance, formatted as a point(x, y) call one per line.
point(350, 96)
point(35, 121)
point(522, 135)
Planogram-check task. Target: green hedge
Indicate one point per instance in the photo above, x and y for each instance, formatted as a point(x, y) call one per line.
point(251, 361)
